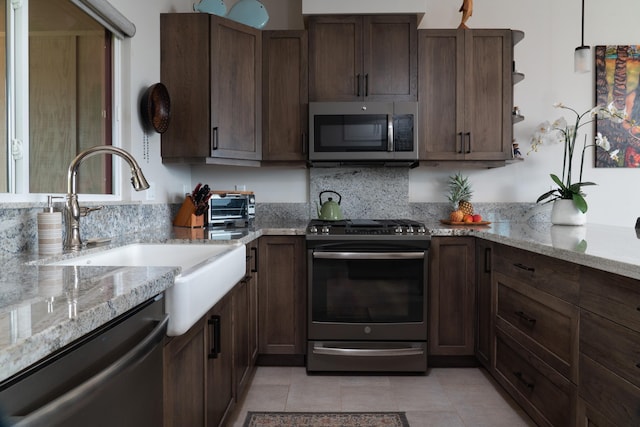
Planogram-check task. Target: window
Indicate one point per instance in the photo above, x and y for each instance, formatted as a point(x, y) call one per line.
point(59, 56)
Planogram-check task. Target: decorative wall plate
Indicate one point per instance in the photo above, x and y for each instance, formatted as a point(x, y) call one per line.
point(214, 7)
point(249, 12)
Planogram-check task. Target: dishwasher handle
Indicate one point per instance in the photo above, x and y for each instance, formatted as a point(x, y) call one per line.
point(47, 414)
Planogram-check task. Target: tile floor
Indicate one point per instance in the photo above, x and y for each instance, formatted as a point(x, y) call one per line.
point(451, 397)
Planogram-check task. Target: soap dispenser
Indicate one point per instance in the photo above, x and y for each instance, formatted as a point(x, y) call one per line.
point(50, 229)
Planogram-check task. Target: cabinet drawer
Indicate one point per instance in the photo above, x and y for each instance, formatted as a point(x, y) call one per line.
point(546, 395)
point(589, 417)
point(551, 275)
point(611, 296)
point(615, 347)
point(616, 399)
point(547, 326)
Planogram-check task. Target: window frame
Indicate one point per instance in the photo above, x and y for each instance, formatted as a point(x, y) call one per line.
point(17, 96)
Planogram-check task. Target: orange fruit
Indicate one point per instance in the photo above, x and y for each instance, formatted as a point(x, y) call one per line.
point(456, 216)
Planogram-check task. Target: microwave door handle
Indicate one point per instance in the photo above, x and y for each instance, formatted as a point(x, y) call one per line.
point(390, 132)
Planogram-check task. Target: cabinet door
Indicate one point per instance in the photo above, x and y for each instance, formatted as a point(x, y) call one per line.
point(390, 58)
point(371, 58)
point(184, 70)
point(484, 321)
point(488, 94)
point(335, 58)
point(184, 378)
point(215, 87)
point(245, 323)
point(241, 352)
point(236, 76)
point(285, 95)
point(465, 94)
point(588, 416)
point(219, 354)
point(281, 295)
point(452, 296)
point(441, 94)
point(252, 271)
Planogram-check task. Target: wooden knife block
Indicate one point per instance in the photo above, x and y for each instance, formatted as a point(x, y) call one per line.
point(187, 217)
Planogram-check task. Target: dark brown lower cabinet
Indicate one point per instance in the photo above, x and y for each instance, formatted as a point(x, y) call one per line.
point(588, 416)
point(219, 393)
point(617, 399)
point(452, 296)
point(208, 369)
point(198, 387)
point(184, 375)
point(245, 312)
point(282, 302)
point(484, 320)
point(548, 397)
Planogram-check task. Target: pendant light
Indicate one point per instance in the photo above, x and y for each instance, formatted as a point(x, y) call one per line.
point(582, 55)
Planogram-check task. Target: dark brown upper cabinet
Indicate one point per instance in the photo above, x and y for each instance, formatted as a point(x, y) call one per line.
point(353, 58)
point(285, 96)
point(211, 67)
point(466, 94)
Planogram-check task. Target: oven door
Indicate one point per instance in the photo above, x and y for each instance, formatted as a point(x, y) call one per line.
point(368, 294)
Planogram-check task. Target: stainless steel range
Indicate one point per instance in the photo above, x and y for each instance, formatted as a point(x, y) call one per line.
point(367, 307)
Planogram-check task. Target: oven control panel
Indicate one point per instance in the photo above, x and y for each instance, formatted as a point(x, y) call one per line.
point(363, 228)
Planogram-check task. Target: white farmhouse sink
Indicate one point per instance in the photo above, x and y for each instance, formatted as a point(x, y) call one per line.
point(208, 273)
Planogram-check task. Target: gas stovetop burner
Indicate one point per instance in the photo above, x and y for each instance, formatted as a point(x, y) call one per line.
point(367, 227)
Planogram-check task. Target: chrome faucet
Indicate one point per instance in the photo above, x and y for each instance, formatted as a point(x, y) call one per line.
point(72, 210)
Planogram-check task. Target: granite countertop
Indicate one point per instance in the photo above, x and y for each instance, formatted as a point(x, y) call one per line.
point(43, 308)
point(609, 248)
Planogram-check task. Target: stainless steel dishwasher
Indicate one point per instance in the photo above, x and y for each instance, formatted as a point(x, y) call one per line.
point(111, 377)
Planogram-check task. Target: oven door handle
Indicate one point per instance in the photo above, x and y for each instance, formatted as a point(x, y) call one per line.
point(368, 352)
point(369, 255)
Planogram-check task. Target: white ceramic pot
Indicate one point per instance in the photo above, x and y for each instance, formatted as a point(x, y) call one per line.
point(564, 212)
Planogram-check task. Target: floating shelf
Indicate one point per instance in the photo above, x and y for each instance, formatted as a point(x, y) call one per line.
point(517, 77)
point(517, 36)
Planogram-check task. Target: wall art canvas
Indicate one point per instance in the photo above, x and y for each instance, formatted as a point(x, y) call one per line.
point(617, 71)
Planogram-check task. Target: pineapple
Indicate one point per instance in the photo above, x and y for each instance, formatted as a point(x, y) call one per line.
point(466, 207)
point(460, 193)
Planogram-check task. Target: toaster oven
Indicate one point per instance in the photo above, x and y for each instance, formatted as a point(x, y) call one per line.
point(232, 208)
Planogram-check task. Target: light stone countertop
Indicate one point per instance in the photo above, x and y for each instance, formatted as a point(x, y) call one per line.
point(44, 308)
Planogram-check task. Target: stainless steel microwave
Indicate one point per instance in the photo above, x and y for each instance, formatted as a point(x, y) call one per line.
point(363, 132)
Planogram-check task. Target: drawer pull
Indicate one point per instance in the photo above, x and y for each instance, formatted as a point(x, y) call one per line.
point(520, 377)
point(526, 318)
point(524, 267)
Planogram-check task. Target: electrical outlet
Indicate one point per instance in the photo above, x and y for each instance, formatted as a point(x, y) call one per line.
point(151, 191)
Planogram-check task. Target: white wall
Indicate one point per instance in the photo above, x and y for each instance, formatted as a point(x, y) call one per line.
point(552, 31)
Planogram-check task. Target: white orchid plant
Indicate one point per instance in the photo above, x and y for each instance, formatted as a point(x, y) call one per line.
point(561, 132)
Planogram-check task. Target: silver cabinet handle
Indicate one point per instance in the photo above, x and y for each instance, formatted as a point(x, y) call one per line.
point(368, 352)
point(369, 255)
